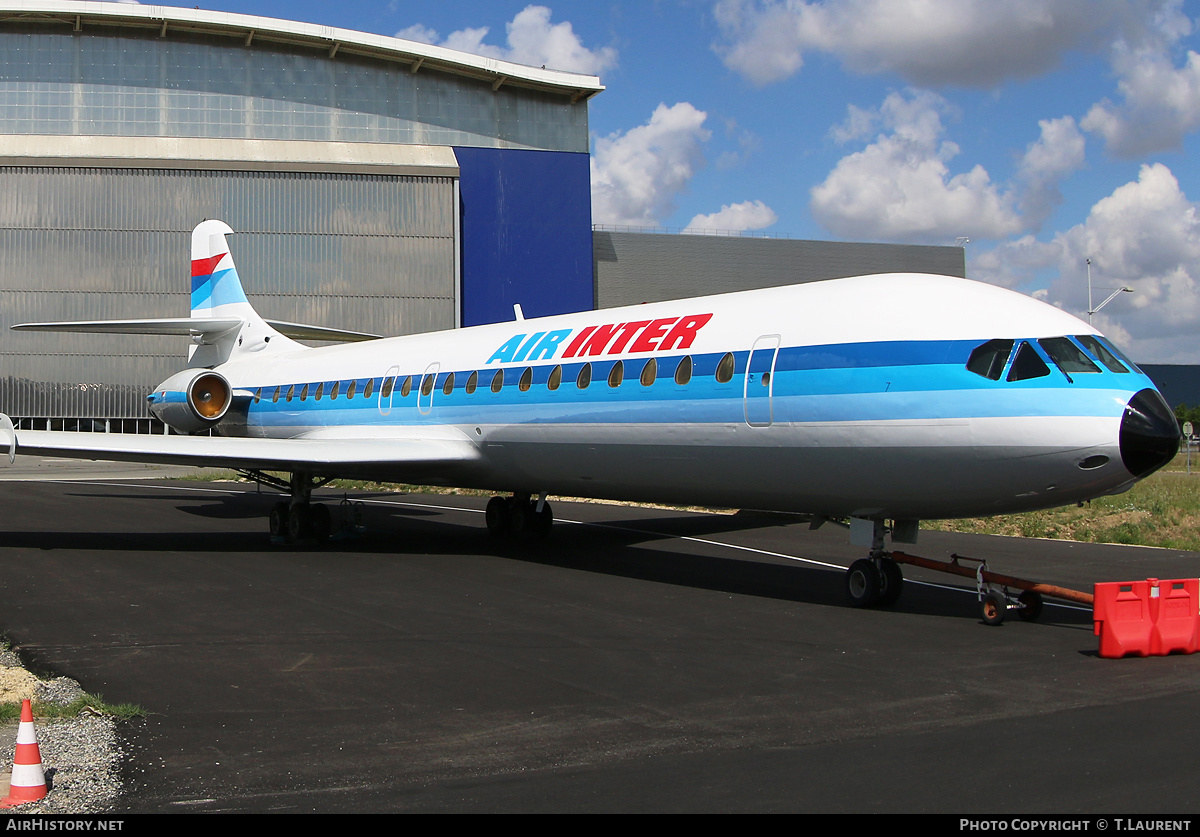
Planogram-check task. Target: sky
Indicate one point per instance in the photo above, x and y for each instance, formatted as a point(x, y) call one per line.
point(1042, 133)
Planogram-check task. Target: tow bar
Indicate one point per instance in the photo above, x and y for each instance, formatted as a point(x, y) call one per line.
point(993, 589)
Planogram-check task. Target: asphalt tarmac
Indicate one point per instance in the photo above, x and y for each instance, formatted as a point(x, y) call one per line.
point(638, 660)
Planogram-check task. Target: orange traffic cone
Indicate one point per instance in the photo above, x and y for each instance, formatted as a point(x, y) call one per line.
point(28, 780)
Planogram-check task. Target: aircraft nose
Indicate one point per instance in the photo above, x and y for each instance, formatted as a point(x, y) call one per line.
point(1149, 433)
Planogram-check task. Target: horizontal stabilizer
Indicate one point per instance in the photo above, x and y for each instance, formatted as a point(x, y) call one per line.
point(170, 325)
point(298, 331)
point(188, 326)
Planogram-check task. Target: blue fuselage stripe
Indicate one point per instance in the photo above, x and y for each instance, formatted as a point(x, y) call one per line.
point(918, 380)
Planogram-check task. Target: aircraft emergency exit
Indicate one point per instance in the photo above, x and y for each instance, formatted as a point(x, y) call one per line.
point(881, 399)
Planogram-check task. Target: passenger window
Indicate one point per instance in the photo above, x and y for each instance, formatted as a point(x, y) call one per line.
point(291, 391)
point(555, 379)
point(989, 359)
point(526, 379)
point(498, 380)
point(616, 374)
point(406, 387)
point(333, 393)
point(350, 389)
point(725, 369)
point(472, 382)
point(370, 388)
point(1067, 356)
point(275, 396)
point(320, 391)
point(1027, 364)
point(585, 376)
point(649, 372)
point(1101, 353)
point(448, 387)
point(304, 392)
point(257, 395)
point(427, 384)
point(683, 372)
point(386, 392)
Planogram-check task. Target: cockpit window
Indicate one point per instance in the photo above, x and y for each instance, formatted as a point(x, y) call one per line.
point(1027, 364)
point(1067, 356)
point(988, 360)
point(1101, 353)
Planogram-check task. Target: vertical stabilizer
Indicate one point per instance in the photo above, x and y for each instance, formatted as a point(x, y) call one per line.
point(217, 293)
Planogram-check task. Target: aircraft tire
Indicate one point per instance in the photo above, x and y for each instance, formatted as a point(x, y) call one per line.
point(862, 583)
point(891, 582)
point(278, 520)
point(520, 517)
point(297, 523)
point(496, 516)
point(995, 608)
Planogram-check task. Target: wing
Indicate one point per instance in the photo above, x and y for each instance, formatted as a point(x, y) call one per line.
point(432, 457)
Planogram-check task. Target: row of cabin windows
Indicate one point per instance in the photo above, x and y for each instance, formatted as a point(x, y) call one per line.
point(1068, 354)
point(616, 375)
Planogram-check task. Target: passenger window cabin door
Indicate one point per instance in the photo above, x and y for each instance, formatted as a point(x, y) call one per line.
point(759, 386)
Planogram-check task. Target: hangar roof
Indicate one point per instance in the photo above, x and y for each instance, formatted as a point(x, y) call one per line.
point(89, 15)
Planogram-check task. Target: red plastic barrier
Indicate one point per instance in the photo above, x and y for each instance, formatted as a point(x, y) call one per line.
point(1147, 618)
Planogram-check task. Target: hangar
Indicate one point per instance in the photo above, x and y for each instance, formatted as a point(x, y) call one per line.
point(376, 185)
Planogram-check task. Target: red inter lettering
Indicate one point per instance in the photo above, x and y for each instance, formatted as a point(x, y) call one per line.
point(578, 341)
point(651, 334)
point(627, 332)
point(599, 339)
point(684, 332)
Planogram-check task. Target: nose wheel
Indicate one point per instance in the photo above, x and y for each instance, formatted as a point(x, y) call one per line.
point(873, 582)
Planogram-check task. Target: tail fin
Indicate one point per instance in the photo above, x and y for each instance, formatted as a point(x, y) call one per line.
point(217, 294)
point(215, 283)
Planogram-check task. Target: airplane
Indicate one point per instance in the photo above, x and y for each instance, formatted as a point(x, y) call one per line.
point(883, 400)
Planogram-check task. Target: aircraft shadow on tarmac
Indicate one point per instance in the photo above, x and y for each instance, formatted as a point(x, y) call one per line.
point(635, 547)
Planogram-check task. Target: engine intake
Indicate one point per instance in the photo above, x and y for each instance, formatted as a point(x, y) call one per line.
point(191, 400)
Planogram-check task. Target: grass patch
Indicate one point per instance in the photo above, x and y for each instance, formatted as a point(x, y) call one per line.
point(86, 704)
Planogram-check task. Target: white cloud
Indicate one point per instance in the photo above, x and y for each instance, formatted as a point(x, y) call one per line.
point(532, 40)
point(637, 175)
point(1160, 102)
point(899, 187)
point(1058, 152)
point(1145, 236)
point(737, 217)
point(927, 42)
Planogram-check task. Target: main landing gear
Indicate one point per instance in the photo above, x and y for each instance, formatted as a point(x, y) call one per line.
point(297, 518)
point(519, 516)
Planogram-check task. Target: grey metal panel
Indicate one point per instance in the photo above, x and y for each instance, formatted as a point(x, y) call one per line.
point(631, 268)
point(85, 83)
point(362, 252)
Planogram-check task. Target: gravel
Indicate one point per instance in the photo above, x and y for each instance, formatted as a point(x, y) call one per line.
point(81, 756)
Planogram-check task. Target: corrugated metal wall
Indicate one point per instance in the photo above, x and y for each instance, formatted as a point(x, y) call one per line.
point(632, 268)
point(369, 253)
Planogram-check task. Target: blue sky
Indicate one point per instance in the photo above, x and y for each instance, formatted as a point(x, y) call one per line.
point(1047, 132)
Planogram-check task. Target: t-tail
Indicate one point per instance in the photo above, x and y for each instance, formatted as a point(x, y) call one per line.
point(218, 297)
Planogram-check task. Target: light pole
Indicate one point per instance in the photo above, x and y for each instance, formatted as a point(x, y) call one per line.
point(1107, 300)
